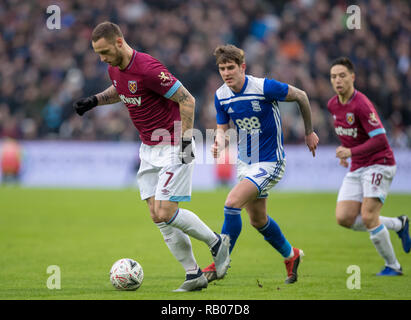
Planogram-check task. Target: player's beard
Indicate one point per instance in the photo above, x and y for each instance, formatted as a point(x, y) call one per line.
point(118, 60)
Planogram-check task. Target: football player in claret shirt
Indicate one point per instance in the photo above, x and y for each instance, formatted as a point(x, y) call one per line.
point(365, 187)
point(157, 103)
point(252, 104)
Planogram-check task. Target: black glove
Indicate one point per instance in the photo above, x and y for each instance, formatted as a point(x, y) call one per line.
point(186, 151)
point(85, 104)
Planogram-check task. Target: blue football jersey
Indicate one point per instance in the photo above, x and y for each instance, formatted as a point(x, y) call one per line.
point(256, 115)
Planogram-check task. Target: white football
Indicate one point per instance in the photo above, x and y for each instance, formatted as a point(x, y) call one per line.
point(126, 274)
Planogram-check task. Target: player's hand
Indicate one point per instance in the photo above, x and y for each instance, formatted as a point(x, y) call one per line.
point(85, 104)
point(344, 163)
point(342, 152)
point(215, 150)
point(186, 151)
point(311, 141)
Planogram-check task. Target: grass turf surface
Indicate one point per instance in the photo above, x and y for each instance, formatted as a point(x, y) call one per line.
point(85, 231)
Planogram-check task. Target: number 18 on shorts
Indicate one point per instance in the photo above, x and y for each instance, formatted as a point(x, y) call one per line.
point(367, 182)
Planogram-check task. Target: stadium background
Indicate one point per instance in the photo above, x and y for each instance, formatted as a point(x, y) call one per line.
point(44, 70)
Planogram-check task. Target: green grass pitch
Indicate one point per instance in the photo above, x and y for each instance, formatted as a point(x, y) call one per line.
point(84, 231)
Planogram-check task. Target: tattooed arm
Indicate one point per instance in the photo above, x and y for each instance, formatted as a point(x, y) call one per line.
point(187, 106)
point(108, 96)
point(295, 94)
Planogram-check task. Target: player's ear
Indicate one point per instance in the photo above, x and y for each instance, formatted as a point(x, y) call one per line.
point(243, 67)
point(119, 42)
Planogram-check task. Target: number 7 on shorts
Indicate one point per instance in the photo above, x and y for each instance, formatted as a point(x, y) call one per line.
point(171, 174)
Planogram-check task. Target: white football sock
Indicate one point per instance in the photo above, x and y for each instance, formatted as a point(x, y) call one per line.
point(291, 255)
point(191, 224)
point(380, 237)
point(358, 225)
point(180, 246)
point(391, 223)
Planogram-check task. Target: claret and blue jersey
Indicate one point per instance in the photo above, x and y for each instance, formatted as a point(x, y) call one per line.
point(256, 115)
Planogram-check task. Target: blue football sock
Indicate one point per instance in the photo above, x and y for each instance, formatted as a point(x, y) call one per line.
point(232, 224)
point(272, 233)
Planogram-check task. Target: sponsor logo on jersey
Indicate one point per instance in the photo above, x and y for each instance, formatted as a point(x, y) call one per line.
point(373, 119)
point(132, 86)
point(351, 132)
point(230, 110)
point(127, 100)
point(350, 118)
point(256, 105)
point(250, 125)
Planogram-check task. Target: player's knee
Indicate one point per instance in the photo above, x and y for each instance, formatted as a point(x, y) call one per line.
point(154, 216)
point(159, 216)
point(163, 212)
point(151, 208)
point(344, 217)
point(344, 221)
point(233, 202)
point(369, 218)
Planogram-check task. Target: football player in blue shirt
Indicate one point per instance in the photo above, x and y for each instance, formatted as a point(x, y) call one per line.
point(252, 104)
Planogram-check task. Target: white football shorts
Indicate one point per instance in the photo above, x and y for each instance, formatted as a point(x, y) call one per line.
point(367, 182)
point(264, 175)
point(162, 174)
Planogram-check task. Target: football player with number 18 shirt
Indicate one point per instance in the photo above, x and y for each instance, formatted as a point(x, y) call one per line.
point(365, 186)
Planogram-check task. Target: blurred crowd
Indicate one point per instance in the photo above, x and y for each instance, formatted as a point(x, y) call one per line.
point(44, 70)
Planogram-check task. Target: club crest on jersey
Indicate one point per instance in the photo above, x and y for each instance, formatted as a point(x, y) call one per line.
point(350, 118)
point(132, 86)
point(163, 76)
point(166, 79)
point(256, 105)
point(373, 120)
